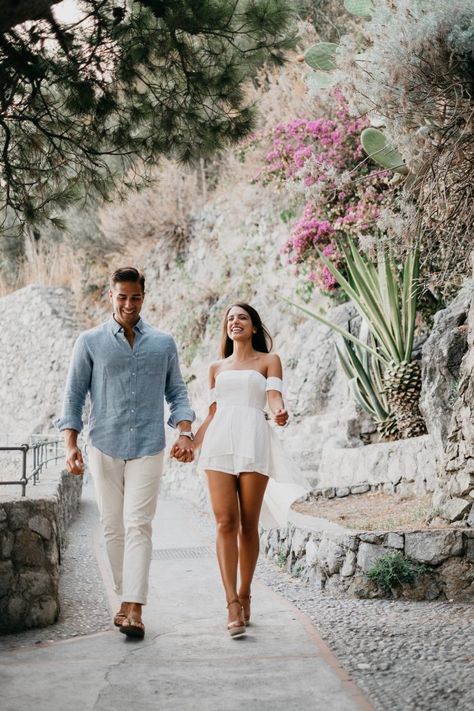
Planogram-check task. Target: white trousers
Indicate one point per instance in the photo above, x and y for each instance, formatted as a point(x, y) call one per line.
point(127, 492)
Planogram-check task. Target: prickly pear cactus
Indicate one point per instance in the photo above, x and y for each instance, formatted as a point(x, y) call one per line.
point(319, 81)
point(322, 56)
point(361, 8)
point(377, 147)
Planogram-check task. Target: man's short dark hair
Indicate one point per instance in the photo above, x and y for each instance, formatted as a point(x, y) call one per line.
point(127, 274)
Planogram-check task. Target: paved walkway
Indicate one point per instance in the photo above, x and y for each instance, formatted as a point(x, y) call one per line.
point(187, 661)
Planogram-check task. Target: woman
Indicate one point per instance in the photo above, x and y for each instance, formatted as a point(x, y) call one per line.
point(240, 450)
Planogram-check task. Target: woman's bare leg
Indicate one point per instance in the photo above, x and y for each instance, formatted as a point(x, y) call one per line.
point(251, 490)
point(225, 505)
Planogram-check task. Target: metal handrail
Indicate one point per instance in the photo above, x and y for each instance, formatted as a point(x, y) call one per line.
point(41, 460)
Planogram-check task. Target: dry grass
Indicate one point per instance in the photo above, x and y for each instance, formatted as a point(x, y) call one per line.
point(371, 511)
point(47, 265)
point(159, 215)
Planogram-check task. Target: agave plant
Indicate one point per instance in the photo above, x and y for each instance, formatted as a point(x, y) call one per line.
point(387, 305)
point(365, 375)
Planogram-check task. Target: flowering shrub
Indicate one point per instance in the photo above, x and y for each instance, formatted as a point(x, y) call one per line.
point(322, 161)
point(415, 74)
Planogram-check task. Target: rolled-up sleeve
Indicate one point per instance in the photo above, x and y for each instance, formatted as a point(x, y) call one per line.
point(175, 391)
point(77, 386)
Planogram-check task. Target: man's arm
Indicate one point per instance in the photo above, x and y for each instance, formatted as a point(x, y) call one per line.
point(77, 386)
point(181, 413)
point(74, 460)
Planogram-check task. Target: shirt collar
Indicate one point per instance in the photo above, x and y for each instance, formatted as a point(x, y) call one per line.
point(117, 328)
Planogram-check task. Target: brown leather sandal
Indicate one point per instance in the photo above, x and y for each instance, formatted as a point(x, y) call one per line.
point(120, 618)
point(133, 628)
point(236, 628)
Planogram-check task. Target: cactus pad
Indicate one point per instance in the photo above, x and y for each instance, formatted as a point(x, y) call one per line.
point(322, 56)
point(376, 146)
point(361, 8)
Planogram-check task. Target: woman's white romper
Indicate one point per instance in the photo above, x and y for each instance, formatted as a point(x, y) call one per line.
point(239, 437)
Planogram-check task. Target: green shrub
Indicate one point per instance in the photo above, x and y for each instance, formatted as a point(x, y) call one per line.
point(281, 560)
point(394, 569)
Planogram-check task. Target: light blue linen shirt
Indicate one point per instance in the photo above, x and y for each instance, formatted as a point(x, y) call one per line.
point(127, 389)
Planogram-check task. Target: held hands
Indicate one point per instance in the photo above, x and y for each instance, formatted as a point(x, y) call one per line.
point(74, 460)
point(281, 417)
point(183, 449)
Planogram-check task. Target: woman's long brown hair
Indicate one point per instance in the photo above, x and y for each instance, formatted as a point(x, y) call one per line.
point(261, 340)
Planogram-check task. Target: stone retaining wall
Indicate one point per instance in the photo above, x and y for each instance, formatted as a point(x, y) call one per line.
point(32, 532)
point(337, 561)
point(407, 466)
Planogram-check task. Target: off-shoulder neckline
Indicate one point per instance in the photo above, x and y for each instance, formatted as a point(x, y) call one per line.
point(241, 370)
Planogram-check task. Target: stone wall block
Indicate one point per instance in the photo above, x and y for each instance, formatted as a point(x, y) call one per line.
point(368, 554)
point(52, 552)
point(351, 542)
point(36, 583)
point(457, 578)
point(264, 540)
point(363, 588)
point(394, 540)
point(273, 538)
point(360, 488)
point(18, 515)
point(312, 548)
point(331, 555)
point(15, 611)
point(28, 550)
point(349, 565)
point(427, 588)
point(461, 483)
point(317, 578)
point(6, 577)
point(6, 544)
point(371, 537)
point(433, 547)
point(40, 525)
point(298, 543)
point(470, 518)
point(470, 550)
point(42, 612)
point(454, 509)
point(3, 519)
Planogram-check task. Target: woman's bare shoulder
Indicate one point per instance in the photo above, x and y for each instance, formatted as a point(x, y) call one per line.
point(272, 359)
point(216, 365)
point(273, 365)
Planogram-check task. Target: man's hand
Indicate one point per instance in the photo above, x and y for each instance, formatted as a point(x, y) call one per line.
point(183, 449)
point(281, 417)
point(74, 460)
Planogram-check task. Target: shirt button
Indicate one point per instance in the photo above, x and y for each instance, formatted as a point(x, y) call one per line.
point(133, 373)
point(132, 410)
point(131, 429)
point(133, 392)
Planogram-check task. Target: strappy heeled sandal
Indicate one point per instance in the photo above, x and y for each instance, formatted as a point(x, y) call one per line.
point(246, 616)
point(236, 628)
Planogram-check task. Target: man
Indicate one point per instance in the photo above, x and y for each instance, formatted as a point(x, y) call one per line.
point(128, 368)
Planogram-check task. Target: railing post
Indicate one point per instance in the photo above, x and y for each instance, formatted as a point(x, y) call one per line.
point(24, 479)
point(42, 448)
